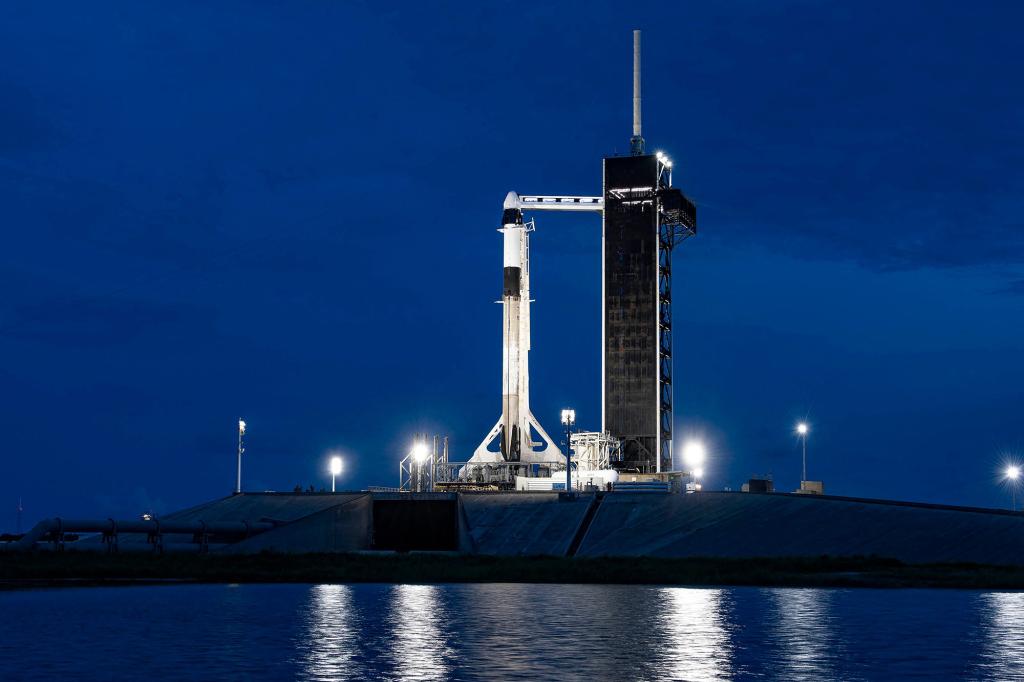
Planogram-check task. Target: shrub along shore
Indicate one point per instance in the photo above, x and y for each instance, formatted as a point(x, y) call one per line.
point(71, 568)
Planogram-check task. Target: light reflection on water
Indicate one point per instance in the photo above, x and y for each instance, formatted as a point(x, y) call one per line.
point(420, 649)
point(1003, 648)
point(331, 636)
point(508, 632)
point(696, 642)
point(803, 636)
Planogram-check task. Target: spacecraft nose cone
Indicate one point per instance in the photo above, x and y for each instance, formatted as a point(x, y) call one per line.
point(511, 201)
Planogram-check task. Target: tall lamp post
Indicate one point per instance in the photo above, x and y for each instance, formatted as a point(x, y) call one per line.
point(335, 470)
point(1012, 474)
point(568, 420)
point(241, 449)
point(802, 429)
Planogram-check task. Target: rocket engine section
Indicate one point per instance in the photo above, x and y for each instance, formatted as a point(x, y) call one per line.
point(513, 432)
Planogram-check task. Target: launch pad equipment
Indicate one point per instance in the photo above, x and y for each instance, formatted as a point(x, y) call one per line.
point(643, 219)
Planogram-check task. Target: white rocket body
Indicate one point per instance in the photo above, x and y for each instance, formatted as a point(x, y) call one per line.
point(512, 434)
point(515, 315)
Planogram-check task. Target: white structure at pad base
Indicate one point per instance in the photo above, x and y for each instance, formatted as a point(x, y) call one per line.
point(581, 479)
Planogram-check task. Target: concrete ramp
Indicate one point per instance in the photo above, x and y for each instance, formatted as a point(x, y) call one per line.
point(716, 524)
point(283, 507)
point(526, 524)
point(306, 522)
point(344, 527)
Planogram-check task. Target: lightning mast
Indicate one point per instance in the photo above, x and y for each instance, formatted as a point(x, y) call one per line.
point(636, 143)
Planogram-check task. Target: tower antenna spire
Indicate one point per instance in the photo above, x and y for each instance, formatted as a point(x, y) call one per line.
point(636, 143)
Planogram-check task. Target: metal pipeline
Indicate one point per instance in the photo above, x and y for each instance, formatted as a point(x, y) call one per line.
point(53, 529)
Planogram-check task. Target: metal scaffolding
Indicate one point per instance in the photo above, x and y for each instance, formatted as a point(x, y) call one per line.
point(425, 465)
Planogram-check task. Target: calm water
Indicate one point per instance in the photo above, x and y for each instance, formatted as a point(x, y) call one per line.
point(436, 632)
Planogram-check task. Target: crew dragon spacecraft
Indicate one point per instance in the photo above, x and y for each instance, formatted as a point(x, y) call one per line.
point(643, 219)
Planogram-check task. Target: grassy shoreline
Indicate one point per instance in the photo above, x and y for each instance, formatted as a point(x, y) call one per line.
point(79, 569)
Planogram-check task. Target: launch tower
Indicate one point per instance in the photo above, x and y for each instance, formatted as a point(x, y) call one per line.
point(644, 218)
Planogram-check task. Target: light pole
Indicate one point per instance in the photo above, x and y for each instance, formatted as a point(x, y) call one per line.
point(802, 429)
point(568, 420)
point(694, 454)
point(241, 449)
point(1012, 474)
point(419, 456)
point(335, 470)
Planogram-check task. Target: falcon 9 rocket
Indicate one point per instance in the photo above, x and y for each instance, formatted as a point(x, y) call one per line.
point(513, 433)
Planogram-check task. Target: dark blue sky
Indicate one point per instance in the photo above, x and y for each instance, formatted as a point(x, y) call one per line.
point(286, 211)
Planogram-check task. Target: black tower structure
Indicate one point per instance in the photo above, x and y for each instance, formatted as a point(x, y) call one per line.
point(644, 219)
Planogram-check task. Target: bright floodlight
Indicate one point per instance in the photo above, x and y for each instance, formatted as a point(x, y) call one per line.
point(335, 466)
point(241, 426)
point(419, 452)
point(568, 417)
point(698, 473)
point(802, 428)
point(668, 164)
point(694, 454)
point(660, 156)
point(1013, 472)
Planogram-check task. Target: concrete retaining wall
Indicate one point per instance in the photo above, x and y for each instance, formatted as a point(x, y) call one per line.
point(772, 525)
